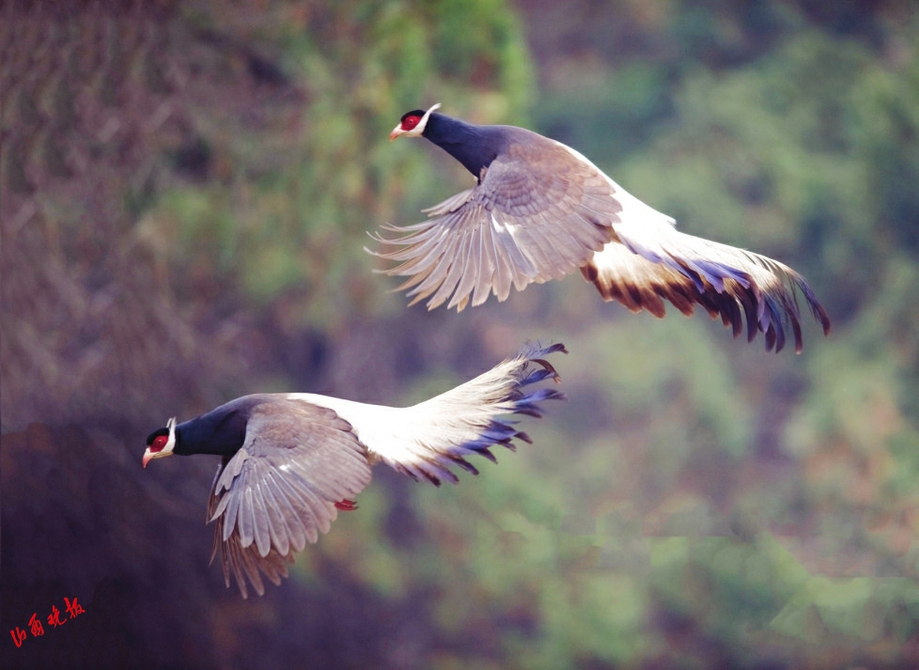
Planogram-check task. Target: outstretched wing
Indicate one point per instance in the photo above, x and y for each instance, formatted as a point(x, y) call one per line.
point(278, 492)
point(537, 214)
point(427, 440)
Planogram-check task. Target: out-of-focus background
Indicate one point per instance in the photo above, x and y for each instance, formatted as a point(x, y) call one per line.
point(186, 191)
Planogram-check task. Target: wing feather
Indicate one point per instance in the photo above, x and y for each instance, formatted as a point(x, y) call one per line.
point(277, 526)
point(296, 533)
point(245, 520)
point(531, 203)
point(457, 265)
point(260, 519)
point(279, 490)
point(470, 272)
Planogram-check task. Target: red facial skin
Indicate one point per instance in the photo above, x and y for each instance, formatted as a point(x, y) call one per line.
point(408, 124)
point(159, 443)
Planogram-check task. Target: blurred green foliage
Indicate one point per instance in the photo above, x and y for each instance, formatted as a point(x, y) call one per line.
point(286, 216)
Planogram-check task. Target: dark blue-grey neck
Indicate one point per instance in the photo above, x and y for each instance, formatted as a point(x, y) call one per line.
point(221, 431)
point(473, 146)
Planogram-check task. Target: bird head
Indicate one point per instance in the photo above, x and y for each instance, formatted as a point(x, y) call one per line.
point(161, 442)
point(412, 123)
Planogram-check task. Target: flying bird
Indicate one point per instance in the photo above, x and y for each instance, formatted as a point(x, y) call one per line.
point(290, 461)
point(540, 210)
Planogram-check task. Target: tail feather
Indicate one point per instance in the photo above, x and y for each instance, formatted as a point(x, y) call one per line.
point(739, 287)
point(512, 377)
point(427, 440)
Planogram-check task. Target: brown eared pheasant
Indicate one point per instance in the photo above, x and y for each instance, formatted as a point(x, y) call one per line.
point(540, 210)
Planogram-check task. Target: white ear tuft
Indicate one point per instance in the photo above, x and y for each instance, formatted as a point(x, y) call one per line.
point(171, 443)
point(417, 130)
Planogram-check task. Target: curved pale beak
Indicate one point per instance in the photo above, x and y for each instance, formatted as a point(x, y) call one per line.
point(148, 456)
point(396, 132)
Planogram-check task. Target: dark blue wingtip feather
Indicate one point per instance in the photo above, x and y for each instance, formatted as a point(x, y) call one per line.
point(733, 295)
point(780, 311)
point(500, 431)
point(537, 355)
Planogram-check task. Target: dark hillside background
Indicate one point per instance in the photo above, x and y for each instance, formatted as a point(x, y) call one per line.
point(185, 191)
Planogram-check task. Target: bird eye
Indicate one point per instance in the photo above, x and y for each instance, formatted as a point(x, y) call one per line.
point(159, 443)
point(410, 122)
